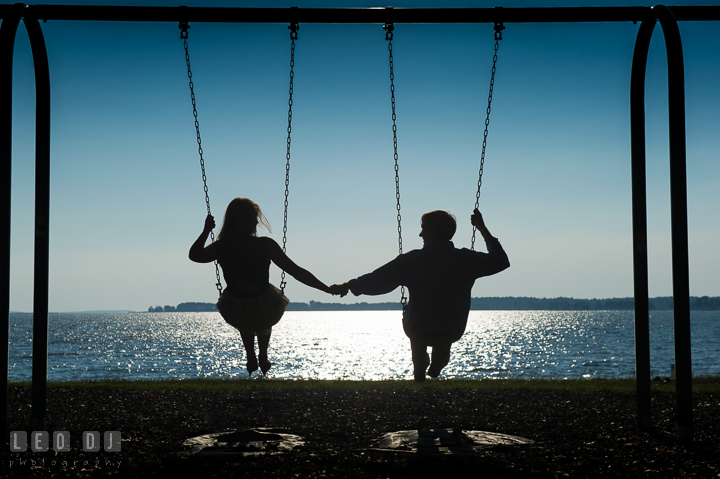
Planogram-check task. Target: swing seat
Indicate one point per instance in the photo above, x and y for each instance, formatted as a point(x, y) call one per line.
point(253, 315)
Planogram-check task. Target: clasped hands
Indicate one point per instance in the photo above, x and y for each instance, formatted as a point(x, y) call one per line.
point(339, 289)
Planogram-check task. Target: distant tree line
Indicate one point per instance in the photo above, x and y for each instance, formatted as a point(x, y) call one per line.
point(704, 303)
point(184, 308)
point(662, 303)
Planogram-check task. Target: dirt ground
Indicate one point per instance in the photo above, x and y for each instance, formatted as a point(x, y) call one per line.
point(578, 435)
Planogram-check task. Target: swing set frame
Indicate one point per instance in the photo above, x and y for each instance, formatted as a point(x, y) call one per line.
point(668, 17)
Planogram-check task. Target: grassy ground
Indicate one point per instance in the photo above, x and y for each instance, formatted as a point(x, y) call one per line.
point(701, 385)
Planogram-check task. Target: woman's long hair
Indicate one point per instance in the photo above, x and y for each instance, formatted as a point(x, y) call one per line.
point(242, 217)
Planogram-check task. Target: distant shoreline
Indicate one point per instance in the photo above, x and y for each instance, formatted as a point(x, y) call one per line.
point(662, 303)
point(510, 303)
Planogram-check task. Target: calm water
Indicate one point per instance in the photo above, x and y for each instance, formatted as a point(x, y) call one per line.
point(355, 345)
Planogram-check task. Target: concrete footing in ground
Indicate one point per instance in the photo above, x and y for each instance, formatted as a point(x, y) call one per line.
point(251, 442)
point(259, 441)
point(445, 441)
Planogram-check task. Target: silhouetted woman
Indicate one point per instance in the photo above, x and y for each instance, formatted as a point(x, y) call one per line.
point(249, 303)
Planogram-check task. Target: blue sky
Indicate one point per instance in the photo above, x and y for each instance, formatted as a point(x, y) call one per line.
point(127, 197)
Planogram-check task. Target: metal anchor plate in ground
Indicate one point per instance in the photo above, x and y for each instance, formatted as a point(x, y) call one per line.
point(445, 441)
point(251, 442)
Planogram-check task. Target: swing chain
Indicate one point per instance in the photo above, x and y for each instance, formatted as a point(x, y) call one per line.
point(389, 37)
point(499, 27)
point(293, 36)
point(184, 36)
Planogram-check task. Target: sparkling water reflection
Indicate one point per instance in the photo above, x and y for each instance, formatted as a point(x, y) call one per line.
point(354, 345)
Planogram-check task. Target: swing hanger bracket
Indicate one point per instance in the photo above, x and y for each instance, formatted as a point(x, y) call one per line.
point(389, 27)
point(183, 26)
point(294, 27)
point(499, 27)
point(184, 30)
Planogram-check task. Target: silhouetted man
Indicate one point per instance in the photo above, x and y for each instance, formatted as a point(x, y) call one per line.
point(439, 278)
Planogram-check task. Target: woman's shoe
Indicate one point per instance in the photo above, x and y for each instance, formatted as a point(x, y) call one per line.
point(265, 365)
point(252, 366)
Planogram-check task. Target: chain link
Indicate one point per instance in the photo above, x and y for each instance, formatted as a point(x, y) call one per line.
point(498, 36)
point(184, 36)
point(293, 36)
point(389, 37)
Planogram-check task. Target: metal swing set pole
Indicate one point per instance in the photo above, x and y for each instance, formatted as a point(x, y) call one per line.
point(678, 200)
point(363, 15)
point(11, 15)
point(8, 30)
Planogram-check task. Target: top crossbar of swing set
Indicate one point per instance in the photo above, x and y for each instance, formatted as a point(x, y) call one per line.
point(378, 15)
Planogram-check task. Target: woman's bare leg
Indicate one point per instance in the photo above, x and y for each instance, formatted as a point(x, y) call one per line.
point(248, 340)
point(263, 344)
